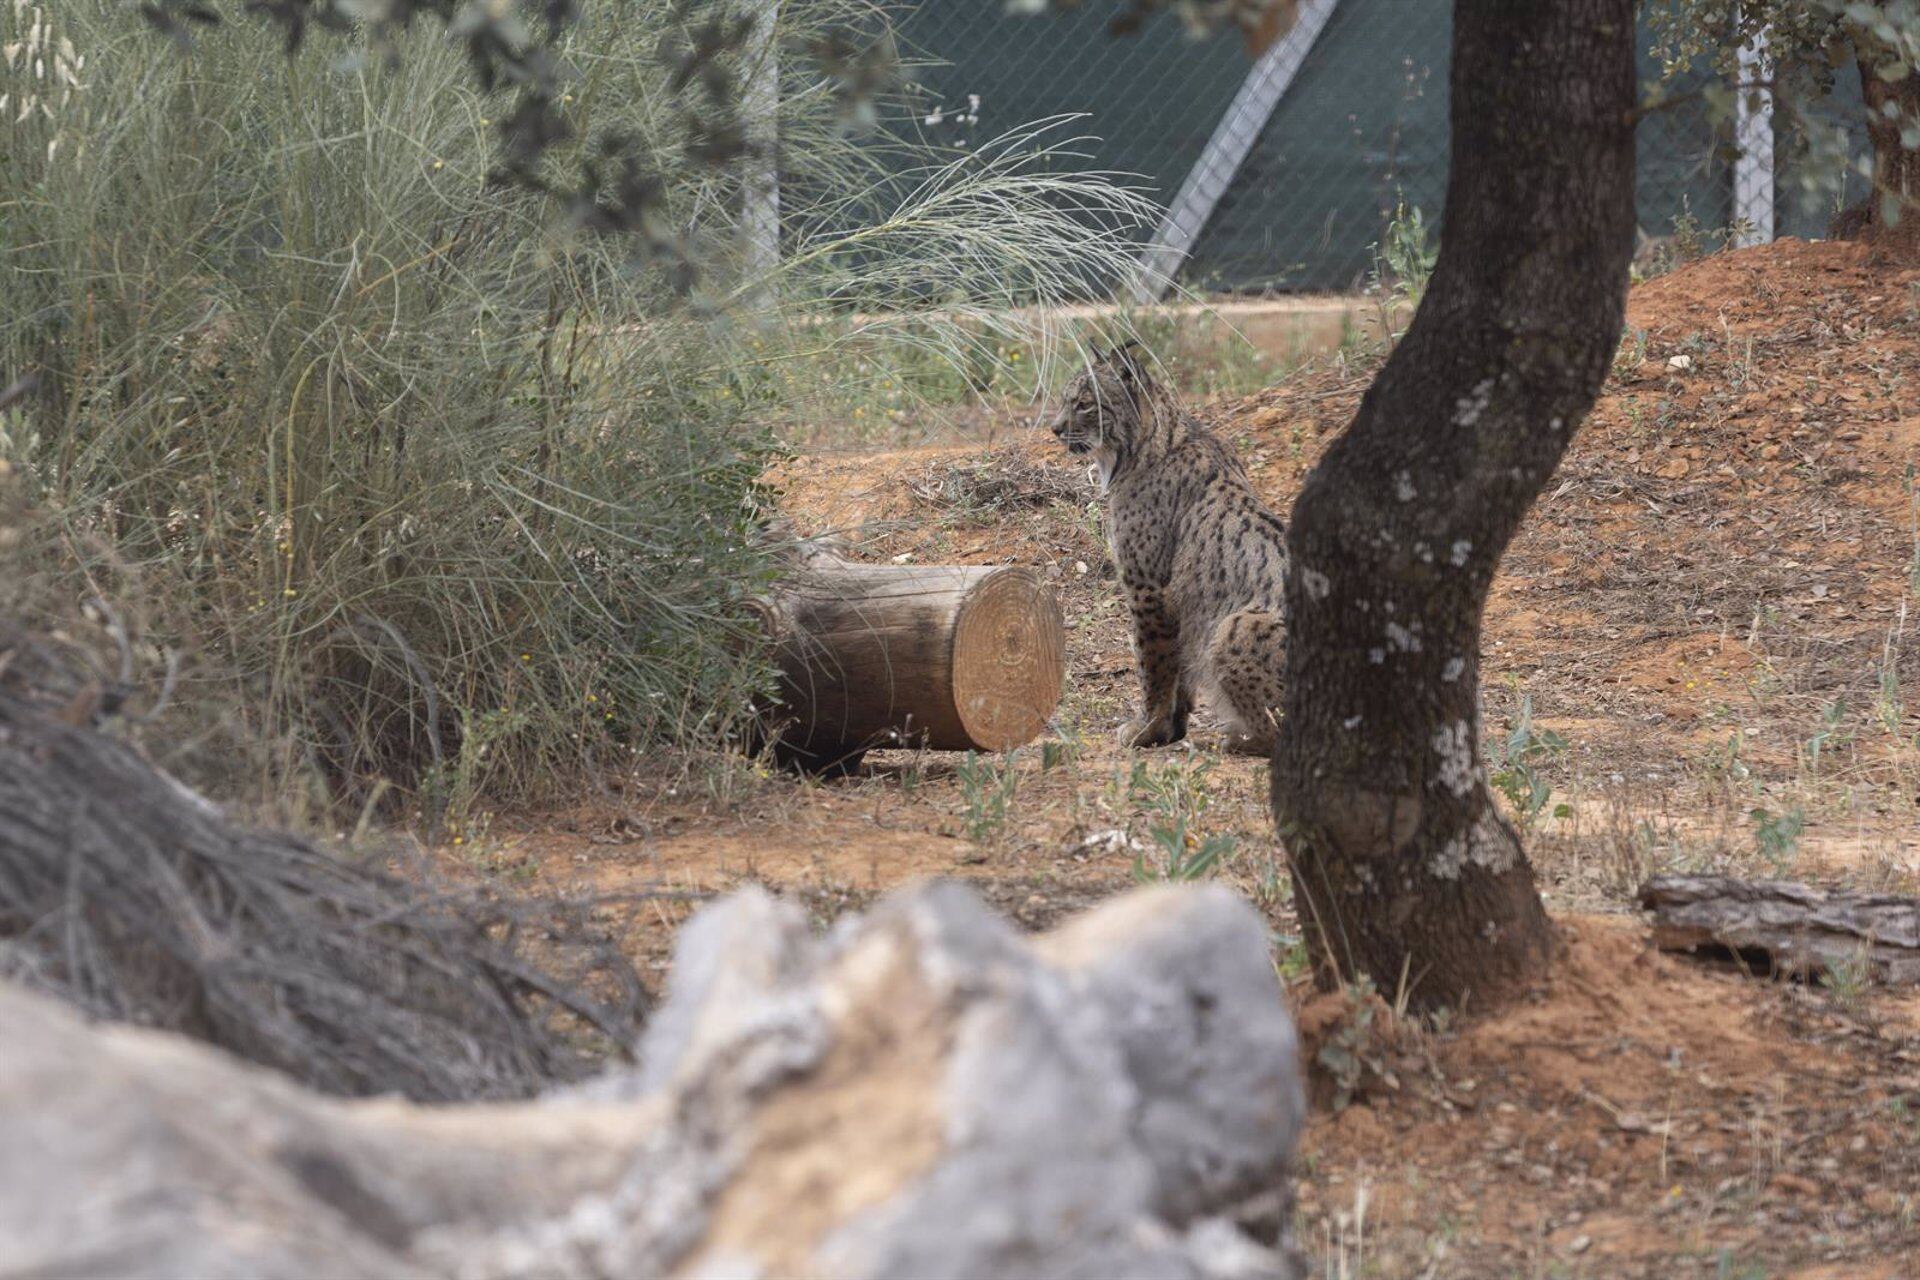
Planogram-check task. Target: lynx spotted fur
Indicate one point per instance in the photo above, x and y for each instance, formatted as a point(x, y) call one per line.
point(1202, 560)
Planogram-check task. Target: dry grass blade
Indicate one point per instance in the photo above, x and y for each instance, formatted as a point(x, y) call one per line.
point(137, 900)
point(1001, 482)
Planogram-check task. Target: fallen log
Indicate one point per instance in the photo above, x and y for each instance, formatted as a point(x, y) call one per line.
point(951, 657)
point(1793, 930)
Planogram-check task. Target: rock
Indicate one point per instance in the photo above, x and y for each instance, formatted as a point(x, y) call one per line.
point(1214, 1116)
point(924, 1092)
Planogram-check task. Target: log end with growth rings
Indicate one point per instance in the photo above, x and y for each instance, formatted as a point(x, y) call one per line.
point(1009, 660)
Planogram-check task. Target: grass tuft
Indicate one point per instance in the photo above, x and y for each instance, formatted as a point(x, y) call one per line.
point(442, 500)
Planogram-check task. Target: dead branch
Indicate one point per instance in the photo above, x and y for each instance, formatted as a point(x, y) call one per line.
point(134, 898)
point(1778, 927)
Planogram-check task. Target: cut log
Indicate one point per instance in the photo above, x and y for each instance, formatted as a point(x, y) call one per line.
point(1778, 927)
point(956, 658)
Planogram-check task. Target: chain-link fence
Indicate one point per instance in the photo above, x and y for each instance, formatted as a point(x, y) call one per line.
point(1283, 173)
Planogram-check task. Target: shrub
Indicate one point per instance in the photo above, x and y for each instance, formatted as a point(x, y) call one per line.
point(430, 489)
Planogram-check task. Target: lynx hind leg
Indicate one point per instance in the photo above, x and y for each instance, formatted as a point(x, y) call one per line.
point(1244, 659)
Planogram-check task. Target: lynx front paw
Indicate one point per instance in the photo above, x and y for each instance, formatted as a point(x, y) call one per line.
point(1157, 732)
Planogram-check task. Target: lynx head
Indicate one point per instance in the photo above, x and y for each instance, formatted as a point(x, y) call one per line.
point(1109, 410)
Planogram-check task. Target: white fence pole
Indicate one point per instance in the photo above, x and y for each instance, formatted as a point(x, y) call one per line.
point(760, 103)
point(1753, 132)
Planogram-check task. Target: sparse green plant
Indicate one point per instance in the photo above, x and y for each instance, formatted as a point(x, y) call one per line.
point(1888, 706)
point(500, 859)
point(1272, 890)
point(1170, 802)
point(1628, 844)
point(1739, 358)
point(1632, 353)
point(1123, 784)
point(1403, 263)
point(1353, 1054)
point(1292, 959)
point(1766, 681)
point(728, 777)
point(1683, 243)
point(1689, 242)
point(1063, 750)
point(1728, 1267)
point(1913, 525)
point(1178, 787)
point(1831, 734)
point(449, 790)
point(1359, 345)
point(1778, 834)
point(1726, 763)
point(988, 785)
point(1905, 1112)
point(1182, 855)
point(1847, 980)
point(1197, 351)
point(1732, 760)
point(1517, 762)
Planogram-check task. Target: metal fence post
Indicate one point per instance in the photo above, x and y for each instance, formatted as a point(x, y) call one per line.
point(1753, 132)
point(760, 185)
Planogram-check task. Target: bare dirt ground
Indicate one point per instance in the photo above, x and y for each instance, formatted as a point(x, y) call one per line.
point(1705, 630)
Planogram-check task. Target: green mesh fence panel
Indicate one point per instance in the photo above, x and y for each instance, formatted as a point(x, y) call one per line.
point(1362, 126)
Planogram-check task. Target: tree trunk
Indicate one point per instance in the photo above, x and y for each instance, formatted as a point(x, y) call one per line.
point(1403, 868)
point(1896, 168)
point(944, 656)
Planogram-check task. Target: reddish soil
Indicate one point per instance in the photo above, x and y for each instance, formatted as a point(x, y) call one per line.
point(1709, 607)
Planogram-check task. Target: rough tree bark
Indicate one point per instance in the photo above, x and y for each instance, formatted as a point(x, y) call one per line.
point(1896, 167)
point(1402, 866)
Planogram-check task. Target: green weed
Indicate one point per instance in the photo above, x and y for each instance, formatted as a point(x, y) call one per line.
point(1778, 834)
point(1518, 759)
point(1171, 802)
point(1847, 980)
point(1063, 750)
point(987, 788)
point(1831, 734)
point(1403, 259)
